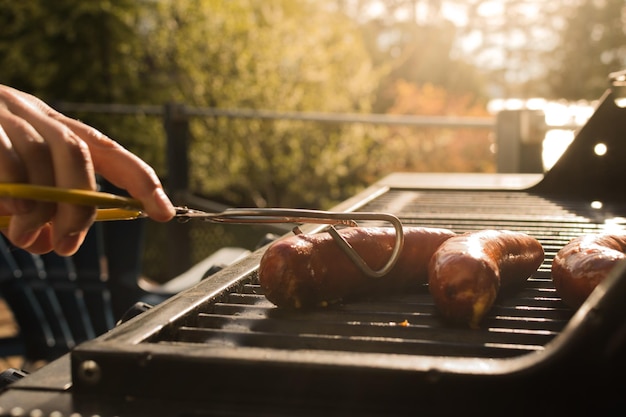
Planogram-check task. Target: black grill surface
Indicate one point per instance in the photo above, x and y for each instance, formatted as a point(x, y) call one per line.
point(233, 340)
point(408, 323)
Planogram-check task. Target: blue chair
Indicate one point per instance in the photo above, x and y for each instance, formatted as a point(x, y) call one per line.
point(56, 301)
point(59, 302)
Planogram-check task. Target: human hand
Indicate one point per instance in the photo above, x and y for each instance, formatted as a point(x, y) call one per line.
point(39, 145)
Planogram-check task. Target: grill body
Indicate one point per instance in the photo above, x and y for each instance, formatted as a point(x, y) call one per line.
point(221, 348)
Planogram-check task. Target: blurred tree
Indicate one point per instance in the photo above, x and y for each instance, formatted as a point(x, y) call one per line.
point(501, 48)
point(508, 40)
point(250, 54)
point(593, 44)
point(560, 48)
point(79, 51)
point(413, 40)
point(436, 149)
point(279, 55)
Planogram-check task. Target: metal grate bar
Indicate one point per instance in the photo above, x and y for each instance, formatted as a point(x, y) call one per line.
point(408, 323)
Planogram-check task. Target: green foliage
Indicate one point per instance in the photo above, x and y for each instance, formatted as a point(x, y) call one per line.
point(251, 54)
point(282, 55)
point(592, 46)
point(284, 163)
point(85, 52)
point(80, 51)
point(279, 55)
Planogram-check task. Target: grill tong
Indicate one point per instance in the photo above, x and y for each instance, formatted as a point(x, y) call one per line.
point(116, 207)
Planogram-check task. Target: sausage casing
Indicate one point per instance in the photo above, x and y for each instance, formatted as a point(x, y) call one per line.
point(468, 271)
point(584, 262)
point(309, 270)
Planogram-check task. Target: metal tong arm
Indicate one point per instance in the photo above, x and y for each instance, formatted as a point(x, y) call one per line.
point(358, 260)
point(277, 215)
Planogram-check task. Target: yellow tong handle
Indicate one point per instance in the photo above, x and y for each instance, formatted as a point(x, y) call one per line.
point(117, 207)
point(67, 195)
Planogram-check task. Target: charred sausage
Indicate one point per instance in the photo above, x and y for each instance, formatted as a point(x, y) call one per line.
point(580, 265)
point(304, 271)
point(468, 271)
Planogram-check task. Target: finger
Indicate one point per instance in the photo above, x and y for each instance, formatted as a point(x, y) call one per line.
point(125, 170)
point(141, 182)
point(11, 170)
point(121, 167)
point(70, 155)
point(42, 243)
point(73, 169)
point(29, 161)
point(53, 155)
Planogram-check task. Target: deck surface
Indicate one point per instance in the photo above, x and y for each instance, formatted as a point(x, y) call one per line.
point(8, 328)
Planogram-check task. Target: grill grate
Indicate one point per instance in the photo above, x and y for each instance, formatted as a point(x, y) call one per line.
point(408, 324)
point(227, 344)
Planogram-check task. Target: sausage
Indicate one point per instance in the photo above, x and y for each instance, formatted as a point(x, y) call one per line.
point(305, 271)
point(467, 272)
point(580, 265)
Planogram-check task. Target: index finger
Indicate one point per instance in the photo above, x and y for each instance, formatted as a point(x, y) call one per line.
point(123, 169)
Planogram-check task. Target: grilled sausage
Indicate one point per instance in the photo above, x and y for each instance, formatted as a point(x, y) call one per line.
point(304, 271)
point(580, 265)
point(468, 271)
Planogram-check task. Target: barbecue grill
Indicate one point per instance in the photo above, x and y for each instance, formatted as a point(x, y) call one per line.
point(221, 349)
